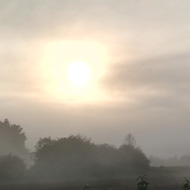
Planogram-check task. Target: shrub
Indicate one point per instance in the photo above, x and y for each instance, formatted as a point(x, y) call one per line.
point(186, 185)
point(142, 183)
point(11, 167)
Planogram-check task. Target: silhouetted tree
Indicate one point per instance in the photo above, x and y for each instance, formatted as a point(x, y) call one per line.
point(72, 156)
point(11, 168)
point(132, 160)
point(77, 157)
point(107, 160)
point(130, 140)
point(12, 140)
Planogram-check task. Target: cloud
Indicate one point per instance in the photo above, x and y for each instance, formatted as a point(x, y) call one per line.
point(136, 19)
point(163, 79)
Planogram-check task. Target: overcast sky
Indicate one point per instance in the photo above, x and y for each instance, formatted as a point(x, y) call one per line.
point(145, 86)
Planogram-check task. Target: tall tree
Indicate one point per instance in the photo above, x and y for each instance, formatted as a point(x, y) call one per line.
point(12, 140)
point(130, 140)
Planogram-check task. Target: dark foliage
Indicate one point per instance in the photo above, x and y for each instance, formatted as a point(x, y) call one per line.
point(11, 168)
point(142, 183)
point(186, 185)
point(132, 160)
point(78, 157)
point(12, 140)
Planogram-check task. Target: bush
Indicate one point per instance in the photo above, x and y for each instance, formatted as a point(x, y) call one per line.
point(11, 168)
point(77, 157)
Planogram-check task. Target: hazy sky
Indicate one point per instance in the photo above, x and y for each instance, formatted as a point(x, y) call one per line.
point(139, 55)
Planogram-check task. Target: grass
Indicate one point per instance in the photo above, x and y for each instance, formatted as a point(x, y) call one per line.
point(132, 183)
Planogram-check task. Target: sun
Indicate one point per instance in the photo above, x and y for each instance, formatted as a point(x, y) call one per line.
point(72, 70)
point(78, 74)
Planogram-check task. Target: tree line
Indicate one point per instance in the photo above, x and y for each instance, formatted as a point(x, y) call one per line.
point(73, 157)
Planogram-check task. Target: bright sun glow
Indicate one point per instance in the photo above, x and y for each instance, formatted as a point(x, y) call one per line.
point(72, 70)
point(78, 73)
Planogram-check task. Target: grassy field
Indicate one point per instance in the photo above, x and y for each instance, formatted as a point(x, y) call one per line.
point(130, 183)
point(161, 178)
